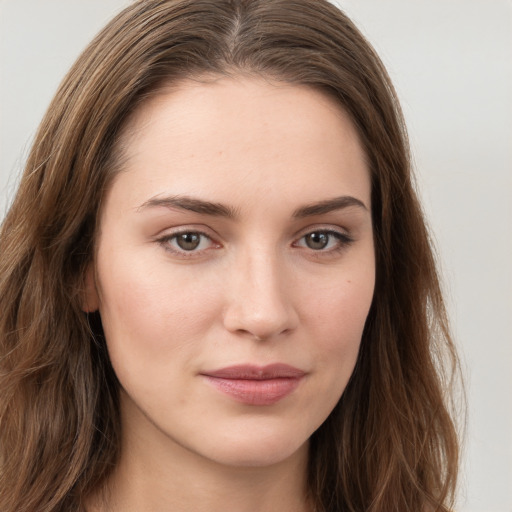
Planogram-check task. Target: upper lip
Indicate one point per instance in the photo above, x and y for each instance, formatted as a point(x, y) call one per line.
point(254, 372)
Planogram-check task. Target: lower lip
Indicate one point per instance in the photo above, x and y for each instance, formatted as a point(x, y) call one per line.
point(256, 392)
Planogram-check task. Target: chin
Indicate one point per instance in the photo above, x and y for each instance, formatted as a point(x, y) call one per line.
point(261, 449)
point(254, 457)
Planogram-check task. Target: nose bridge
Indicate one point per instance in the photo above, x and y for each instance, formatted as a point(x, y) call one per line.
point(260, 300)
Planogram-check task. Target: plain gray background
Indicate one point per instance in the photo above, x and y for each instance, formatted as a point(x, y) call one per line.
point(451, 62)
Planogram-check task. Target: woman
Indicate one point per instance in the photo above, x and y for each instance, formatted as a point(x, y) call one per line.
point(217, 286)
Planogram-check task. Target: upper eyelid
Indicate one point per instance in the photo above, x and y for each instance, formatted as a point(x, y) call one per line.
point(326, 228)
point(169, 232)
point(173, 235)
point(212, 235)
point(342, 236)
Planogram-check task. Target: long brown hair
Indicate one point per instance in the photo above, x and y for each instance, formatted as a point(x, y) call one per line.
point(390, 443)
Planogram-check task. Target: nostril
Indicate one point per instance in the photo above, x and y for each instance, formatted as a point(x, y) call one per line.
point(262, 332)
point(258, 304)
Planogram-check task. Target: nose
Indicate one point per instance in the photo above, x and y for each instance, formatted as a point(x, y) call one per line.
point(260, 299)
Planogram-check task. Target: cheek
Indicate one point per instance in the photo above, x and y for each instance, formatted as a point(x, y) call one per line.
point(150, 311)
point(335, 320)
point(338, 315)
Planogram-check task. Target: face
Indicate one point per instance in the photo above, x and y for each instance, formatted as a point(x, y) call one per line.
point(234, 268)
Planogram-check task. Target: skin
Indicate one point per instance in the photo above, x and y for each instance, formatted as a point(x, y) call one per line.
point(256, 290)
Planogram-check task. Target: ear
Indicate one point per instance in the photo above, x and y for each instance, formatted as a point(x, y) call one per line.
point(90, 298)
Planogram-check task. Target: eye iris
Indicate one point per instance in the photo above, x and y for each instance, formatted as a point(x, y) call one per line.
point(317, 240)
point(188, 241)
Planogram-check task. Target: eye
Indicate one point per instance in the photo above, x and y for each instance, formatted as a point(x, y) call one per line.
point(186, 242)
point(324, 240)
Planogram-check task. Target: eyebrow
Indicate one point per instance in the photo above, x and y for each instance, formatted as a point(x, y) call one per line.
point(220, 210)
point(327, 206)
point(191, 204)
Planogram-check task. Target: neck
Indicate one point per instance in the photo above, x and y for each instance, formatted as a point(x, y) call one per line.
point(155, 473)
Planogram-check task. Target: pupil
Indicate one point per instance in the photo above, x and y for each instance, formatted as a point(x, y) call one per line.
point(317, 240)
point(188, 241)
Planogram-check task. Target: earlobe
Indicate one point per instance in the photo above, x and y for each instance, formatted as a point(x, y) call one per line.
point(90, 299)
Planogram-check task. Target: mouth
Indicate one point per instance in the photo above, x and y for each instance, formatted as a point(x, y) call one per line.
point(256, 385)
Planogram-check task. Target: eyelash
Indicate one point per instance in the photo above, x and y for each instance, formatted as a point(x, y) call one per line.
point(166, 240)
point(343, 241)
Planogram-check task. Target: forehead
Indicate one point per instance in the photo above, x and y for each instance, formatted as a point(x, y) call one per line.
point(238, 135)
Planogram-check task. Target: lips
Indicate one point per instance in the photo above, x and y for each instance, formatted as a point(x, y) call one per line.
point(256, 385)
